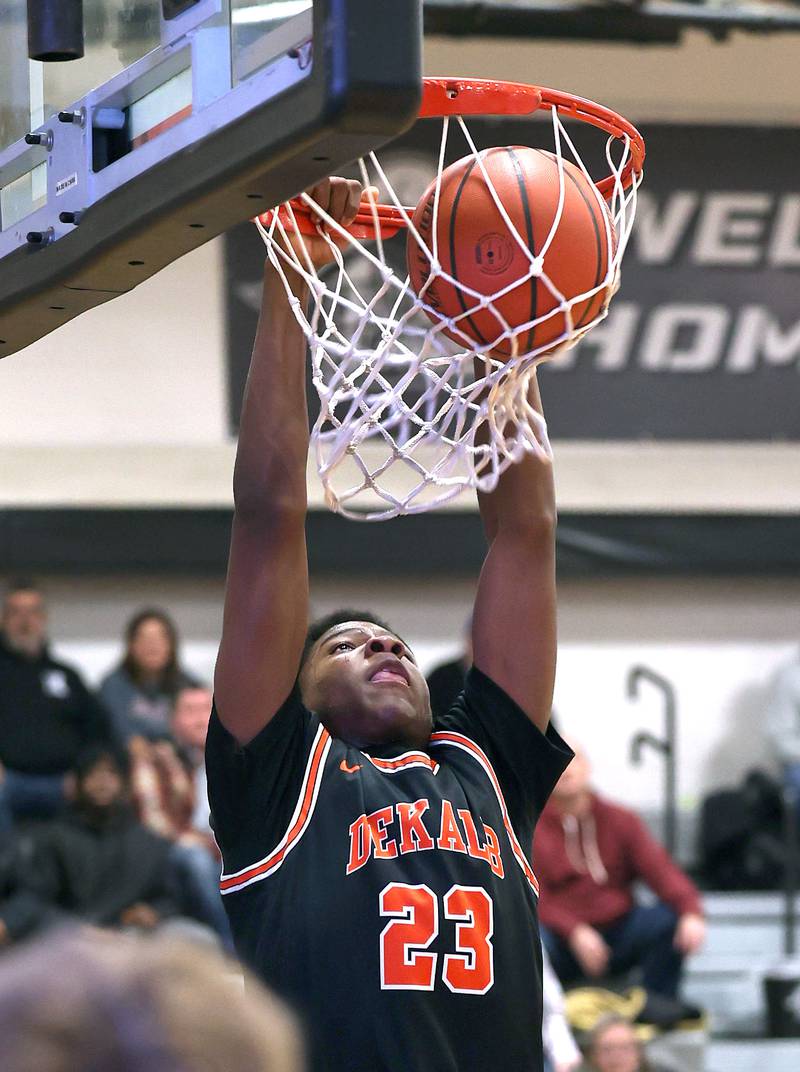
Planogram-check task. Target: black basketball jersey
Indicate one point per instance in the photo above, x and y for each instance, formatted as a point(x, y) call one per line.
point(387, 895)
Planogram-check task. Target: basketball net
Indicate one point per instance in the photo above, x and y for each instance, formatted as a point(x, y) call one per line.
point(412, 412)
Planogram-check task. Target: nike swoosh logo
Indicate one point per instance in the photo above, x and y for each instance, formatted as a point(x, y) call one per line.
point(343, 766)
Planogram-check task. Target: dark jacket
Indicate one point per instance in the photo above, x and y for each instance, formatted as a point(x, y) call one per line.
point(94, 867)
point(47, 715)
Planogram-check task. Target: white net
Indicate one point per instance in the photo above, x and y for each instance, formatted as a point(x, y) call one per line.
point(413, 409)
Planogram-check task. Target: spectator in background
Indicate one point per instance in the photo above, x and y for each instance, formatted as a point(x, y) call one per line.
point(47, 714)
point(613, 1046)
point(588, 853)
point(141, 691)
point(446, 682)
point(783, 723)
point(84, 1003)
point(97, 864)
point(171, 798)
point(189, 731)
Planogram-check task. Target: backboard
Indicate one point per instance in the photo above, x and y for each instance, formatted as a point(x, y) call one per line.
point(181, 120)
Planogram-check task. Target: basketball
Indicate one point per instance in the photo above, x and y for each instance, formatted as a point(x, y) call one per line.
point(479, 250)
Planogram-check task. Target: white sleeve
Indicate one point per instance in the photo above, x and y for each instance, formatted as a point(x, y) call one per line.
point(557, 1039)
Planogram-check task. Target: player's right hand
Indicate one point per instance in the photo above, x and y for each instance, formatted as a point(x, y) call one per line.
point(340, 198)
point(589, 949)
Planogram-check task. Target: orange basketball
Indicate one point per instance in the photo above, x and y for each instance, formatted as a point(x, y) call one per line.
point(477, 248)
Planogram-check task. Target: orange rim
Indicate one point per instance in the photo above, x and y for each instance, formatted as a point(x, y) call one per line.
point(482, 96)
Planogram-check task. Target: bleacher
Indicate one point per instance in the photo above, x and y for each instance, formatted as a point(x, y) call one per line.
point(745, 941)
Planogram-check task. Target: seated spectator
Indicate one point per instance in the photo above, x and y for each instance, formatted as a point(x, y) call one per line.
point(588, 854)
point(47, 715)
point(189, 725)
point(446, 682)
point(171, 798)
point(85, 1003)
point(97, 863)
point(613, 1046)
point(140, 692)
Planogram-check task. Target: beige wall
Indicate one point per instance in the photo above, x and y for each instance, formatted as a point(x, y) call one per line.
point(745, 79)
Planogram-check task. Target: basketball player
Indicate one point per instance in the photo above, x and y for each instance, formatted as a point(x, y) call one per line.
point(372, 864)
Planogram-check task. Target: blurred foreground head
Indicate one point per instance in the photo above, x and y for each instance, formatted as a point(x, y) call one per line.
point(93, 1003)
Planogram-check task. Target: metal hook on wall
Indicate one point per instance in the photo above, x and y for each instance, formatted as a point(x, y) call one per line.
point(666, 746)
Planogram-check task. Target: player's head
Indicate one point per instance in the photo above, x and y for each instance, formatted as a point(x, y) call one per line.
point(363, 681)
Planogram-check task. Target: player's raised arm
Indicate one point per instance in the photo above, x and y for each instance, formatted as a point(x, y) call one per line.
point(514, 624)
point(266, 596)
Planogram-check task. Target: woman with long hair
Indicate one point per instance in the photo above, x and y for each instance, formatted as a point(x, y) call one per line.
point(140, 693)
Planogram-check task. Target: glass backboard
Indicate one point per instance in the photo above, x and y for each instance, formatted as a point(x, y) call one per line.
point(182, 118)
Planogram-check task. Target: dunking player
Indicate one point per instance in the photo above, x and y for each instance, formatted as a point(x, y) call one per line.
point(373, 870)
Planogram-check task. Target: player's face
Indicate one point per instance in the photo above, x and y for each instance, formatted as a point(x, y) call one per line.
point(366, 687)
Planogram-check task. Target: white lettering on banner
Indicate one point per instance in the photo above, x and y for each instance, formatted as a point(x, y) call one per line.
point(661, 349)
point(684, 337)
point(784, 249)
point(730, 229)
point(657, 234)
point(757, 335)
point(612, 340)
point(724, 230)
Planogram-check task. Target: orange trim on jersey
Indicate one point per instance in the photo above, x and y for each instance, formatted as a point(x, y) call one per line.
point(458, 740)
point(408, 759)
point(297, 826)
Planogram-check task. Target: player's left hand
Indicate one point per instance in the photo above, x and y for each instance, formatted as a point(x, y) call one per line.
point(690, 934)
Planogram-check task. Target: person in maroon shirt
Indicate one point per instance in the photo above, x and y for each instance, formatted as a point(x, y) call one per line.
point(588, 854)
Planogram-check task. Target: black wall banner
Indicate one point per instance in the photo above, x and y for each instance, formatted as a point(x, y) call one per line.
point(702, 342)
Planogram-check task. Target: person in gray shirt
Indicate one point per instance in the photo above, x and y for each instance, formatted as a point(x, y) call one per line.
point(140, 693)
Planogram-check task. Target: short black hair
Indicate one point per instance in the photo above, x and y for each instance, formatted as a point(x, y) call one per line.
point(320, 626)
point(92, 754)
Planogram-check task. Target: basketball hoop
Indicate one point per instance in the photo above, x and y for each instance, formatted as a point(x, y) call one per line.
point(422, 395)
